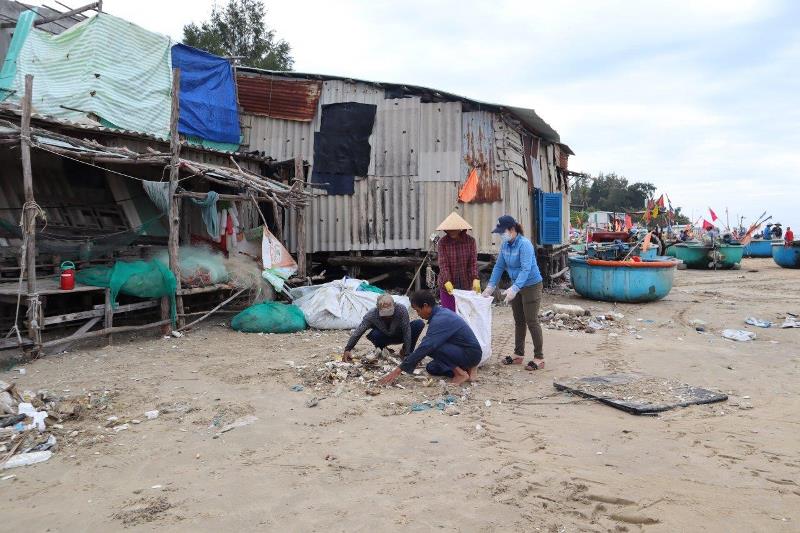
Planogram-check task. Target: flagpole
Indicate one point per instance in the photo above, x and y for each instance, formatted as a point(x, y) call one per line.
point(727, 219)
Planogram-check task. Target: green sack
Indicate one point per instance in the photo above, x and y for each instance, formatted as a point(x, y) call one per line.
point(270, 317)
point(371, 288)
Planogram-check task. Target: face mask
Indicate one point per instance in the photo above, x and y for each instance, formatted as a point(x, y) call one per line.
point(505, 236)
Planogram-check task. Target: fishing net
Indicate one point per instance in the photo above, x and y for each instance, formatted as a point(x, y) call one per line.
point(270, 317)
point(144, 279)
point(199, 266)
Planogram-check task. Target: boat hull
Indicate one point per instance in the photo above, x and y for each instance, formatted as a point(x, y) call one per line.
point(610, 281)
point(759, 248)
point(703, 257)
point(786, 256)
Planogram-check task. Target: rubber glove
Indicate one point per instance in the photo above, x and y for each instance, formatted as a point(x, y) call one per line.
point(476, 286)
point(448, 287)
point(510, 294)
point(488, 292)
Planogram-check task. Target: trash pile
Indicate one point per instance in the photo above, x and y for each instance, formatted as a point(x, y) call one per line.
point(576, 318)
point(25, 428)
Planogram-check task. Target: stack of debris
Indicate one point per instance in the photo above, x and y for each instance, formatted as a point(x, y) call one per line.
point(25, 437)
point(576, 318)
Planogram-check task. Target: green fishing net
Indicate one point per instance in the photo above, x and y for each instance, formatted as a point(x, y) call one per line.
point(270, 317)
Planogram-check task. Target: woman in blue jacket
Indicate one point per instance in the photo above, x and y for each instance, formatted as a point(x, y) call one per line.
point(518, 257)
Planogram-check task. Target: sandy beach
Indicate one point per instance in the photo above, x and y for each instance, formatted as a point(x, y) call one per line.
point(512, 453)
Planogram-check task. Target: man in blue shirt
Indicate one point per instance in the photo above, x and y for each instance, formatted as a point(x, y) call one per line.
point(449, 342)
point(518, 259)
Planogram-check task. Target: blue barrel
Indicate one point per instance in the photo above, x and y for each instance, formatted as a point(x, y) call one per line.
point(618, 281)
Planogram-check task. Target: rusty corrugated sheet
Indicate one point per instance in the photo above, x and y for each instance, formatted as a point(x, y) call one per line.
point(276, 97)
point(440, 142)
point(478, 152)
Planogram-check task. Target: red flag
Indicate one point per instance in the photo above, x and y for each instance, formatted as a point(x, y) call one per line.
point(714, 216)
point(470, 189)
point(707, 225)
point(660, 201)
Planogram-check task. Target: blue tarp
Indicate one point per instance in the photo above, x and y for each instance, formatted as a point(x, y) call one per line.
point(208, 95)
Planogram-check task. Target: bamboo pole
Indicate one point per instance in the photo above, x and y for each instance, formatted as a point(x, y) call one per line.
point(174, 209)
point(29, 215)
point(300, 218)
point(217, 308)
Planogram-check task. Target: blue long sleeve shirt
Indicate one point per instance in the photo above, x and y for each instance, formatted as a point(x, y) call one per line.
point(444, 326)
point(518, 258)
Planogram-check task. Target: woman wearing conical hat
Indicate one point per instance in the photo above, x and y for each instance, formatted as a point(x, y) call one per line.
point(458, 260)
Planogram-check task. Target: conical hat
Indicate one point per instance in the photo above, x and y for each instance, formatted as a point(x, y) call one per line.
point(453, 222)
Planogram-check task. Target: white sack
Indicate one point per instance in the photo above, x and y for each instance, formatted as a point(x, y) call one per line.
point(477, 311)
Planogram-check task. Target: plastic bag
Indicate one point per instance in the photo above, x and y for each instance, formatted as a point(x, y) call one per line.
point(340, 304)
point(270, 317)
point(476, 310)
point(738, 335)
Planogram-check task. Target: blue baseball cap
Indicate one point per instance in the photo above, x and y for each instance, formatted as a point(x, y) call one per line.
point(504, 223)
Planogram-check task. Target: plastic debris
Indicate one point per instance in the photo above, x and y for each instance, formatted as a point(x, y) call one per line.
point(26, 459)
point(571, 310)
point(758, 322)
point(790, 322)
point(297, 388)
point(697, 322)
point(239, 422)
point(38, 417)
point(152, 415)
point(738, 335)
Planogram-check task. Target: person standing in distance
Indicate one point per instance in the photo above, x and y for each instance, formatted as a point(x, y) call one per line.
point(517, 257)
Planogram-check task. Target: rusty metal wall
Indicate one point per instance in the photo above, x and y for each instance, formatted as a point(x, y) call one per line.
point(278, 97)
point(478, 151)
point(440, 142)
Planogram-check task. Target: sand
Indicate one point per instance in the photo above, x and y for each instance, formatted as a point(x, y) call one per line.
point(531, 459)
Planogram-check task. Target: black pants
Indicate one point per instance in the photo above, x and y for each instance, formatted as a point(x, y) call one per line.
point(381, 340)
point(449, 356)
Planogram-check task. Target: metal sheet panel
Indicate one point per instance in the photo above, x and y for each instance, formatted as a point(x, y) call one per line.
point(280, 139)
point(396, 132)
point(440, 142)
point(278, 97)
point(478, 151)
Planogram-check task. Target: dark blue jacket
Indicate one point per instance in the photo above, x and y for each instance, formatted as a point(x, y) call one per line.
point(444, 327)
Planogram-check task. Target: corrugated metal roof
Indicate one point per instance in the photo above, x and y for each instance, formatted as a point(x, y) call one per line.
point(279, 97)
point(527, 116)
point(396, 132)
point(277, 138)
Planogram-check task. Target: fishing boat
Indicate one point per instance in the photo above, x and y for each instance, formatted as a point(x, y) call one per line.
point(786, 256)
point(705, 256)
point(621, 281)
point(760, 248)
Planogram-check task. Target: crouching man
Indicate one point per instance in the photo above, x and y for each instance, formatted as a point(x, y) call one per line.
point(388, 324)
point(450, 343)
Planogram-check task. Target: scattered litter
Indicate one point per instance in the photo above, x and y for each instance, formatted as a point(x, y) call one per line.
point(571, 310)
point(297, 388)
point(758, 322)
point(700, 329)
point(152, 415)
point(6, 478)
point(26, 459)
point(791, 322)
point(697, 322)
point(440, 404)
point(177, 334)
point(738, 335)
point(239, 422)
point(38, 417)
point(121, 427)
point(639, 337)
point(478, 427)
point(21, 371)
point(112, 418)
point(488, 403)
point(575, 321)
point(313, 402)
point(156, 487)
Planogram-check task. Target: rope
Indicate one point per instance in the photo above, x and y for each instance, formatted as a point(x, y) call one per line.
point(33, 306)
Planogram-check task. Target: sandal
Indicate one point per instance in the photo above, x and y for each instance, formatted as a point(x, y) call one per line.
point(533, 365)
point(516, 360)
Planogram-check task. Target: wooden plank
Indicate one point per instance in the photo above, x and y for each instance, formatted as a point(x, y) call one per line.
point(300, 218)
point(174, 210)
point(98, 310)
point(108, 312)
point(6, 344)
point(201, 290)
point(229, 300)
point(29, 213)
point(68, 342)
point(102, 332)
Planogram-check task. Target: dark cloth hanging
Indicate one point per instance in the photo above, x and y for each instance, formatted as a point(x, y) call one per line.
point(341, 147)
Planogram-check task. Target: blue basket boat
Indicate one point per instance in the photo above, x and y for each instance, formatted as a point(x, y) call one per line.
point(786, 256)
point(622, 281)
point(759, 248)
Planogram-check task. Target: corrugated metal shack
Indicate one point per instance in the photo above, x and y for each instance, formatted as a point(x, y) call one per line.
point(422, 147)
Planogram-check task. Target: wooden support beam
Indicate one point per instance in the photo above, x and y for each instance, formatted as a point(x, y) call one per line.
point(174, 211)
point(29, 214)
point(98, 310)
point(300, 218)
point(108, 314)
point(208, 314)
point(376, 261)
point(68, 342)
point(103, 332)
point(66, 14)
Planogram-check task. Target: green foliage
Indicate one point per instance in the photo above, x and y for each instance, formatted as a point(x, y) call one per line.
point(238, 29)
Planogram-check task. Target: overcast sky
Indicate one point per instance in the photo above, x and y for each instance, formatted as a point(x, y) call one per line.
point(698, 97)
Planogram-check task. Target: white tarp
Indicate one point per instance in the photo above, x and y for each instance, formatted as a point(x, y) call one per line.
point(477, 311)
point(339, 304)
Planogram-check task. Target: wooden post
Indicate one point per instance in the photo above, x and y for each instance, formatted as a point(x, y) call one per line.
point(277, 216)
point(108, 315)
point(30, 211)
point(300, 219)
point(174, 210)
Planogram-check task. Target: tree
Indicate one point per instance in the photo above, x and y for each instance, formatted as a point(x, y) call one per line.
point(238, 29)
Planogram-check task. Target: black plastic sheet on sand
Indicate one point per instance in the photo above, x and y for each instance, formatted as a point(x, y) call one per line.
point(602, 389)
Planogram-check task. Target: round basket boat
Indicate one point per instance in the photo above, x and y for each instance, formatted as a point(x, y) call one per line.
point(622, 281)
point(786, 256)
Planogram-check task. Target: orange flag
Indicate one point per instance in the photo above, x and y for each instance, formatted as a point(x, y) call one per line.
point(469, 190)
point(628, 223)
